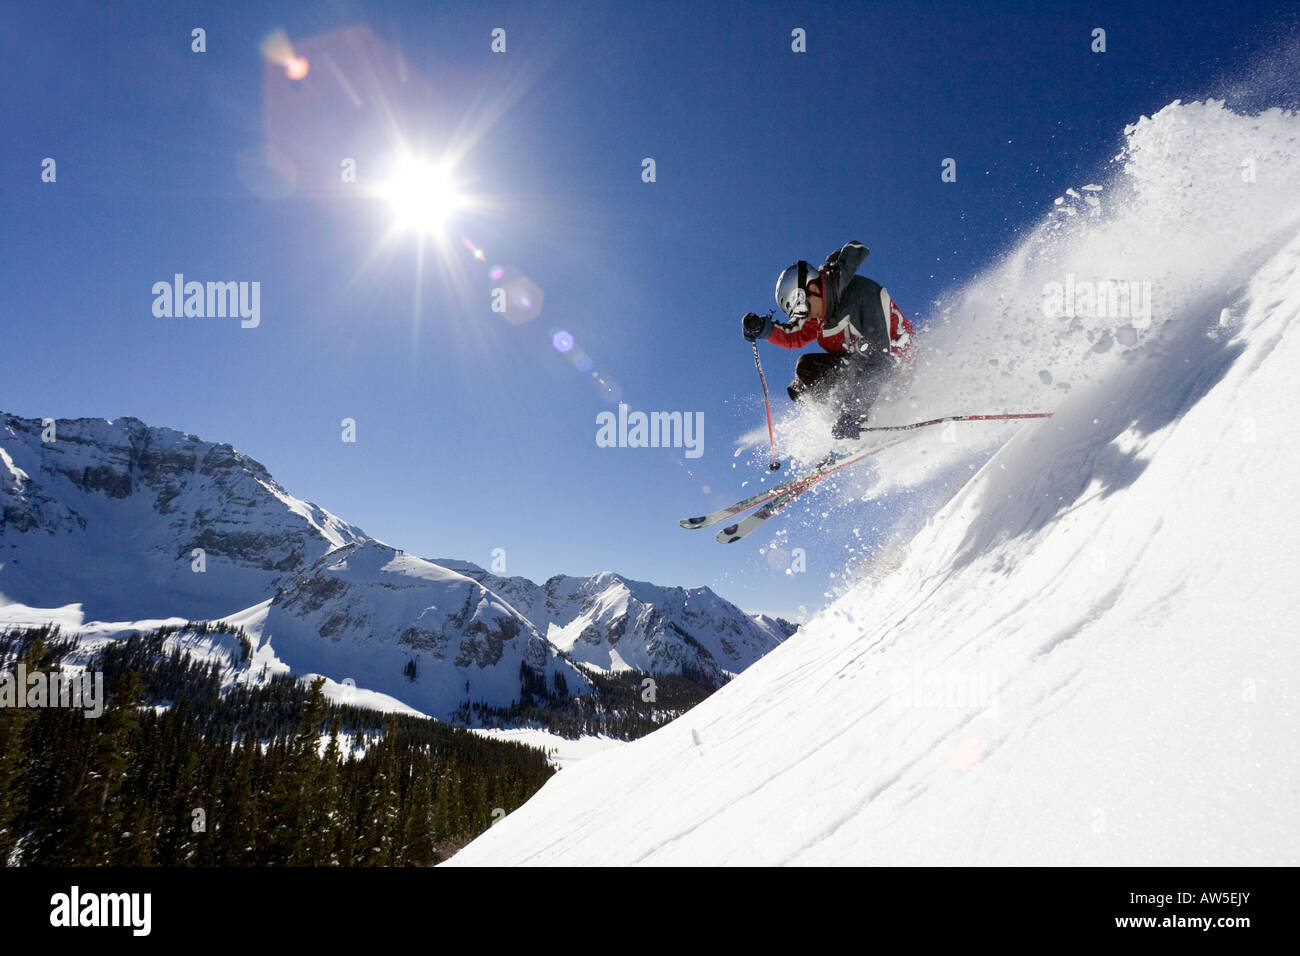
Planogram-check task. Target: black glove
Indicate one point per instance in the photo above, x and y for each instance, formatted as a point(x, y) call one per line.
point(751, 326)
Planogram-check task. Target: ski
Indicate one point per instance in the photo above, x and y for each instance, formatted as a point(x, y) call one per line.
point(703, 521)
point(831, 463)
point(734, 532)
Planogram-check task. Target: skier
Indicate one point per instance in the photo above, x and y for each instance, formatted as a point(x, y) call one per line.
point(866, 336)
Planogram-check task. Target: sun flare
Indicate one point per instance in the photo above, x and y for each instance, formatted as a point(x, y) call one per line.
point(422, 195)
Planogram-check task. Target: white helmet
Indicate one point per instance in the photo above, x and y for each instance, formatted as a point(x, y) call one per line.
point(792, 289)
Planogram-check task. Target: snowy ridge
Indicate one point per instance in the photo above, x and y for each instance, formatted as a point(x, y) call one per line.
point(213, 647)
point(369, 612)
point(614, 623)
point(1088, 655)
point(108, 514)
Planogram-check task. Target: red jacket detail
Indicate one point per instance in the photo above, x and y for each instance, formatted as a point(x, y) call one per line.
point(810, 329)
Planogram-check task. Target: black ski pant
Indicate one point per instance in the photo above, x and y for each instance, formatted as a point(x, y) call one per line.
point(851, 381)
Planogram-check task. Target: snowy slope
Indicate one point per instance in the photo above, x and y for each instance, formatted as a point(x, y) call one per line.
point(561, 751)
point(615, 623)
point(108, 514)
point(1088, 656)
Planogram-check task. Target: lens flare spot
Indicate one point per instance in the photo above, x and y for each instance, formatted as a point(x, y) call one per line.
point(609, 389)
point(968, 754)
point(496, 273)
point(562, 341)
point(582, 362)
point(524, 299)
point(277, 49)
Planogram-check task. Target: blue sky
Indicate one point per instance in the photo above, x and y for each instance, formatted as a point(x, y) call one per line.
point(474, 433)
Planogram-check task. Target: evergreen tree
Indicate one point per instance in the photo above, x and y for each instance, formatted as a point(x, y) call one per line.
point(382, 810)
point(238, 820)
point(15, 743)
point(293, 841)
point(99, 810)
point(417, 830)
point(121, 789)
point(328, 816)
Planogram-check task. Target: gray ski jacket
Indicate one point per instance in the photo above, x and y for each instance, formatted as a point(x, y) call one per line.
point(861, 318)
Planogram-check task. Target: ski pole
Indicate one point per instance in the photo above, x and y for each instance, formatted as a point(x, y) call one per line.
point(957, 418)
point(767, 403)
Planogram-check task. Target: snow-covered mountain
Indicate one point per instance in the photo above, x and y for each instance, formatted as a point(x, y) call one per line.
point(109, 514)
point(409, 628)
point(1089, 654)
point(615, 623)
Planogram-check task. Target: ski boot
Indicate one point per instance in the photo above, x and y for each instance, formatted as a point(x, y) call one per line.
point(848, 425)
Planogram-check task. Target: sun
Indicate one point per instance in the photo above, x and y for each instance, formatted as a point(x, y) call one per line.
point(422, 194)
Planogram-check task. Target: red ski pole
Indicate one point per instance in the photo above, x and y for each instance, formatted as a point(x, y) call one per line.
point(767, 403)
